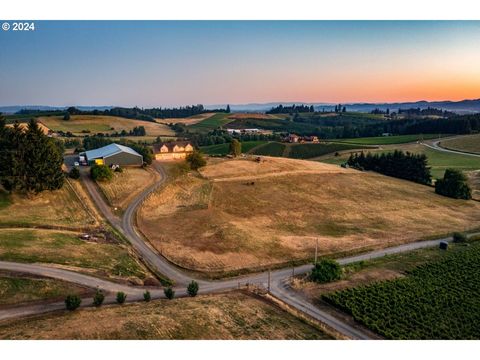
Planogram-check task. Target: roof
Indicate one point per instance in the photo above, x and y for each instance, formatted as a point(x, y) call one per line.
point(109, 150)
point(170, 145)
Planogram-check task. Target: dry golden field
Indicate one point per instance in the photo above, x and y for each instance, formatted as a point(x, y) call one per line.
point(242, 214)
point(104, 124)
point(127, 185)
point(186, 121)
point(227, 316)
point(469, 143)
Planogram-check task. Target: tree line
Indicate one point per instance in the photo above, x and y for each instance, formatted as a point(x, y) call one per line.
point(280, 109)
point(408, 166)
point(30, 161)
point(148, 114)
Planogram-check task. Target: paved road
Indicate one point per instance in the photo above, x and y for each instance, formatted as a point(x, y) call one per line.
point(278, 278)
point(436, 146)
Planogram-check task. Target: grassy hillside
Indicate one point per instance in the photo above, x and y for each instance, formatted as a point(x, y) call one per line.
point(244, 214)
point(58, 208)
point(227, 316)
point(224, 149)
point(438, 300)
point(65, 248)
point(14, 290)
point(469, 143)
point(104, 124)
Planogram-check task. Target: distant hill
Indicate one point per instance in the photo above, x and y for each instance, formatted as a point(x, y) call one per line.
point(460, 107)
point(14, 108)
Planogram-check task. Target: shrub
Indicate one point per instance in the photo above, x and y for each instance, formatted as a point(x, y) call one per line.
point(454, 185)
point(192, 288)
point(98, 298)
point(326, 270)
point(121, 297)
point(169, 293)
point(66, 116)
point(72, 302)
point(459, 237)
point(146, 296)
point(101, 172)
point(196, 160)
point(74, 173)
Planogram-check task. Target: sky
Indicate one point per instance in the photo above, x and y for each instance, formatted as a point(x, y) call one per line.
point(171, 63)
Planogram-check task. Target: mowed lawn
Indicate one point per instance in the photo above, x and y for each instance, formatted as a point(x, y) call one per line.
point(103, 124)
point(468, 143)
point(224, 149)
point(55, 208)
point(126, 185)
point(251, 218)
point(16, 290)
point(67, 249)
point(229, 316)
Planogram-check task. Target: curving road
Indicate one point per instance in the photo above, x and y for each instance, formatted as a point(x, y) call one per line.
point(278, 279)
point(436, 146)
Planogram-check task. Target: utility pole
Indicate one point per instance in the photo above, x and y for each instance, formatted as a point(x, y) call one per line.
point(316, 251)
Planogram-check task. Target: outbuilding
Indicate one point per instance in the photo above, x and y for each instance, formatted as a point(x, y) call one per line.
point(113, 154)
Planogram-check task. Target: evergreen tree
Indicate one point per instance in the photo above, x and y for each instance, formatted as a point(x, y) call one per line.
point(454, 184)
point(235, 148)
point(31, 161)
point(228, 109)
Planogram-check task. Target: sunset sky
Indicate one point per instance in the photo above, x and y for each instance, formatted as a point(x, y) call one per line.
point(163, 63)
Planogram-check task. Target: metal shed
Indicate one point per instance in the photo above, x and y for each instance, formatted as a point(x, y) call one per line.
point(114, 154)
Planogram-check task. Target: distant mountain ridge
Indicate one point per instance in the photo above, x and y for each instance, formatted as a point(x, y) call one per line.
point(460, 107)
point(14, 108)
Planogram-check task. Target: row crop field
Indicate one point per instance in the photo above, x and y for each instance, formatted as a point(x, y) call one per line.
point(387, 140)
point(224, 149)
point(308, 151)
point(303, 151)
point(438, 300)
point(211, 123)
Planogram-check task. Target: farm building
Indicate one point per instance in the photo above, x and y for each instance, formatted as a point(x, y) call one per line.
point(113, 154)
point(172, 150)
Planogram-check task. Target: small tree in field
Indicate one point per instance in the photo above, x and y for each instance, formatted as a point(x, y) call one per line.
point(196, 160)
point(74, 173)
point(66, 116)
point(98, 298)
point(326, 270)
point(146, 296)
point(169, 293)
point(192, 288)
point(72, 302)
point(121, 297)
point(235, 148)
